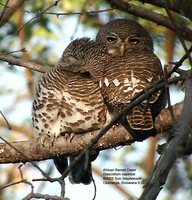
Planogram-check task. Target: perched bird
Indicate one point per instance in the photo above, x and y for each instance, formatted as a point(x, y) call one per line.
point(132, 68)
point(95, 80)
point(68, 100)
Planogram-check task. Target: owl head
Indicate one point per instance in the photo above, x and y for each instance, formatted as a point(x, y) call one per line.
point(124, 35)
point(73, 58)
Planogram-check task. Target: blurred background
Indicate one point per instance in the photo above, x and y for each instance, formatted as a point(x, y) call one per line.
point(44, 40)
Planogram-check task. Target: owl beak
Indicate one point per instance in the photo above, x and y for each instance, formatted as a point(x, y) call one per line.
point(122, 49)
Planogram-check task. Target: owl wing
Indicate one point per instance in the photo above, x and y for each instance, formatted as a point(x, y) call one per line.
point(68, 102)
point(123, 79)
point(45, 109)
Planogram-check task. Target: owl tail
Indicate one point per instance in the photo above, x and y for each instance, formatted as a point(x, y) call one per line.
point(141, 119)
point(79, 173)
point(82, 172)
point(61, 163)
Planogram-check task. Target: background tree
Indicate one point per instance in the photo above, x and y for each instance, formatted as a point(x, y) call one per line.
point(39, 31)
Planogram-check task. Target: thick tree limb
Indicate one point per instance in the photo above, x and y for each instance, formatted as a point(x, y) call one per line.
point(34, 150)
point(164, 121)
point(150, 15)
point(182, 7)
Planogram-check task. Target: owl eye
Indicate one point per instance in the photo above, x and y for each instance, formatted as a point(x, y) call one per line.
point(111, 39)
point(134, 40)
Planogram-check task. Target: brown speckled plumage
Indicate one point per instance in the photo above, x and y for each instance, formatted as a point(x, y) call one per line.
point(68, 99)
point(95, 80)
point(132, 67)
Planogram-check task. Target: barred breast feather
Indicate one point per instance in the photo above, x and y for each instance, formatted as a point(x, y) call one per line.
point(124, 78)
point(67, 102)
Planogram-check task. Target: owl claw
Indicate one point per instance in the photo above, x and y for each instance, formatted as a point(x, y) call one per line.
point(43, 138)
point(50, 138)
point(69, 136)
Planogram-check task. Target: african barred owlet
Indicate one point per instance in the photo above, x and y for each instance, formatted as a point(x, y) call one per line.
point(93, 77)
point(132, 68)
point(68, 100)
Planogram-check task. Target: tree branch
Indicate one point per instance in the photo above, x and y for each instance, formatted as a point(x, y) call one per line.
point(9, 9)
point(23, 63)
point(34, 150)
point(174, 149)
point(181, 7)
point(150, 15)
point(17, 128)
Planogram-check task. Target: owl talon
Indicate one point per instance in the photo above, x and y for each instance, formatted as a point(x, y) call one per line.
point(50, 138)
point(69, 136)
point(53, 139)
point(43, 138)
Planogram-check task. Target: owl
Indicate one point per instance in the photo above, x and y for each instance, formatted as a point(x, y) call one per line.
point(68, 100)
point(132, 68)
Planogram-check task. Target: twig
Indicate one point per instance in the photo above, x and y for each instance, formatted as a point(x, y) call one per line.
point(179, 63)
point(62, 13)
point(9, 9)
point(42, 196)
point(18, 182)
point(10, 52)
point(21, 129)
point(95, 188)
point(33, 163)
point(8, 125)
point(39, 14)
point(81, 13)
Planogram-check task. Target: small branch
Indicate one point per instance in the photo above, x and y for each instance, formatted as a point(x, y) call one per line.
point(10, 52)
point(24, 156)
point(5, 122)
point(14, 127)
point(24, 181)
point(80, 13)
point(179, 63)
point(23, 63)
point(150, 15)
point(42, 196)
point(39, 14)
